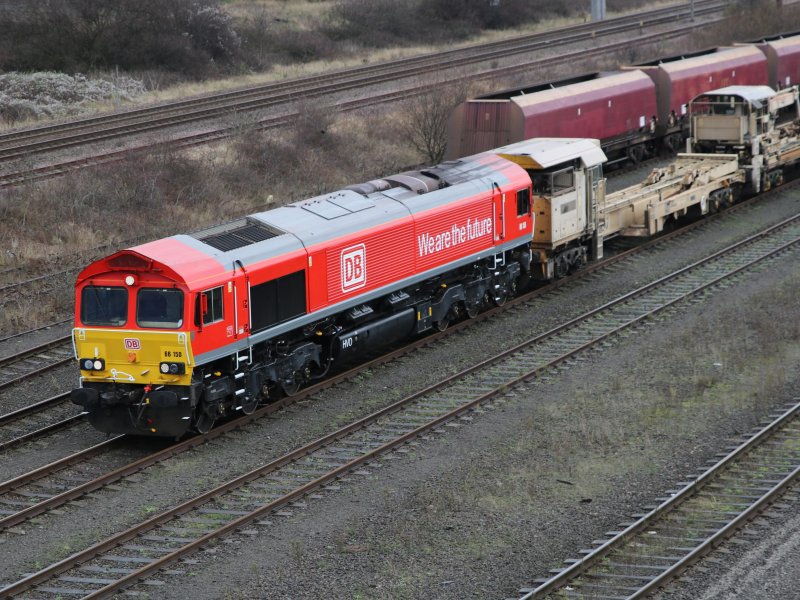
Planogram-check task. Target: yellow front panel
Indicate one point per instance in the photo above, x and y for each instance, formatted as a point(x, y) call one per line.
point(134, 356)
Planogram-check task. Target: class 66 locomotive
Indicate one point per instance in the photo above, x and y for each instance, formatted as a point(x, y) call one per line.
point(176, 333)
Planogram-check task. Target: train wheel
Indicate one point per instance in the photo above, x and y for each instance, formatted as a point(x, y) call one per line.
point(450, 316)
point(561, 266)
point(636, 153)
point(249, 404)
point(472, 309)
point(290, 388)
point(299, 378)
point(204, 422)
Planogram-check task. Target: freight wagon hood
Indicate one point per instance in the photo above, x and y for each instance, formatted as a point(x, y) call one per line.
point(134, 356)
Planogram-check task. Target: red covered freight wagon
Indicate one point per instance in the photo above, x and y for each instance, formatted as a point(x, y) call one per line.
point(616, 108)
point(681, 78)
point(783, 58)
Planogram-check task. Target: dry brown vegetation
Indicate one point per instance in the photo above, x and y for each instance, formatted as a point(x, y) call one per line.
point(751, 19)
point(162, 40)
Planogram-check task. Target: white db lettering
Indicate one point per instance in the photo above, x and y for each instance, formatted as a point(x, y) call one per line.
point(354, 267)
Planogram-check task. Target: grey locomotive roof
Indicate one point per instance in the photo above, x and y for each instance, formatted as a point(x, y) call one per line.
point(754, 94)
point(332, 215)
point(549, 152)
point(310, 222)
point(275, 246)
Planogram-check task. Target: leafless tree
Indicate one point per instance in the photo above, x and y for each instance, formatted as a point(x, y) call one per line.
point(426, 116)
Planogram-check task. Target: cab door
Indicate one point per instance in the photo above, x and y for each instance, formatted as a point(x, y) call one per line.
point(241, 306)
point(498, 213)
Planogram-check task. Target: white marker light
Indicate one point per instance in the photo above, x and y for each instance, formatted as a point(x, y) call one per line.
point(98, 365)
point(130, 279)
point(164, 368)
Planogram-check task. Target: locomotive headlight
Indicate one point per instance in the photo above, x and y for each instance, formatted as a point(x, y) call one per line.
point(92, 364)
point(172, 368)
point(130, 279)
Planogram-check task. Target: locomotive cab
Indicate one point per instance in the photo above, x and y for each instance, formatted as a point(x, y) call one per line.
point(567, 180)
point(755, 123)
point(134, 326)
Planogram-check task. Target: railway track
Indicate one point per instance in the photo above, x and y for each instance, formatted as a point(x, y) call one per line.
point(321, 466)
point(689, 523)
point(41, 418)
point(27, 143)
point(37, 329)
point(33, 361)
point(37, 420)
point(46, 416)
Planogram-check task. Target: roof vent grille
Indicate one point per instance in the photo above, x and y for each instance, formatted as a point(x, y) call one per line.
point(237, 234)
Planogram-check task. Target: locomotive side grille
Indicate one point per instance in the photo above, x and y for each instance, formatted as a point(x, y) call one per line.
point(236, 235)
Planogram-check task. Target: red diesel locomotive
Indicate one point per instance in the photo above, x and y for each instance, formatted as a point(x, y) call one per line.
point(173, 334)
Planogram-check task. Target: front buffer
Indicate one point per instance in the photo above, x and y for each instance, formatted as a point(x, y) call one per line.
point(120, 408)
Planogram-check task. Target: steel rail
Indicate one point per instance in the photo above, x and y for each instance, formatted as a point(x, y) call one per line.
point(31, 353)
point(46, 430)
point(156, 564)
point(43, 347)
point(398, 67)
point(17, 482)
point(578, 568)
point(36, 329)
point(10, 286)
point(32, 408)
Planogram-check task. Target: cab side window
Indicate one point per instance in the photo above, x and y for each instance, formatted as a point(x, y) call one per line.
point(563, 180)
point(209, 307)
point(523, 202)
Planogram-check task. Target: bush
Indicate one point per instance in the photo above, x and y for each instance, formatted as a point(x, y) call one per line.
point(32, 96)
point(191, 36)
point(304, 46)
point(381, 23)
point(488, 14)
point(378, 23)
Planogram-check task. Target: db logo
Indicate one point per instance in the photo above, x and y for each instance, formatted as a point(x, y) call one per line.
point(354, 267)
point(132, 344)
